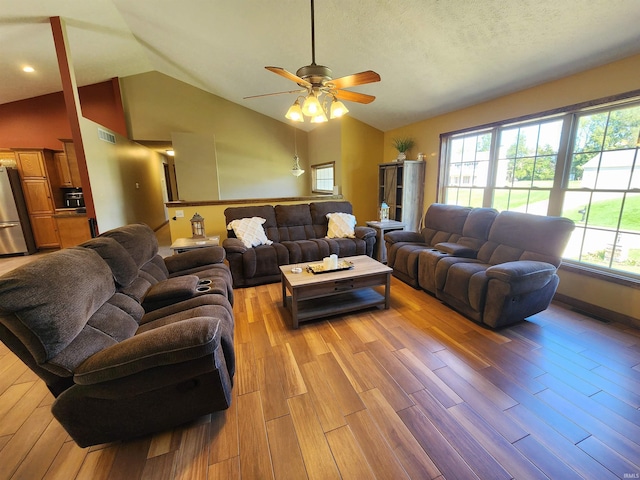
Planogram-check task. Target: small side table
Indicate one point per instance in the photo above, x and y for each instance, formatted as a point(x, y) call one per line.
point(381, 228)
point(185, 244)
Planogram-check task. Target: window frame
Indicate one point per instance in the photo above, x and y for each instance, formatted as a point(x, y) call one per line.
point(570, 116)
point(314, 176)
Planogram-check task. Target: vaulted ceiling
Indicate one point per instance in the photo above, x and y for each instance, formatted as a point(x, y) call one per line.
point(434, 56)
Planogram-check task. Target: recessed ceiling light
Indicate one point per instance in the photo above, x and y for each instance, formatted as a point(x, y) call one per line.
point(28, 69)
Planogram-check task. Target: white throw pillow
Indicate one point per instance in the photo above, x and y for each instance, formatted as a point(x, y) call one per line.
point(250, 231)
point(341, 225)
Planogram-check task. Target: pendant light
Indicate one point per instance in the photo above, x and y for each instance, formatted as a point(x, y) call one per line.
point(296, 171)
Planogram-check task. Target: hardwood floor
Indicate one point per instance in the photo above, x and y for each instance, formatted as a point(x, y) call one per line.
point(416, 391)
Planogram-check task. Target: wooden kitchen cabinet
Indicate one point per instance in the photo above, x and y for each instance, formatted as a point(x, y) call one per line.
point(64, 172)
point(71, 164)
point(38, 173)
point(45, 232)
point(72, 229)
point(37, 194)
point(31, 164)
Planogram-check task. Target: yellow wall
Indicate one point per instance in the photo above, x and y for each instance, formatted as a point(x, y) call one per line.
point(615, 78)
point(361, 153)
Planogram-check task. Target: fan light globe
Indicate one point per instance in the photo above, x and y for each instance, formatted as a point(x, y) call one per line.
point(319, 117)
point(337, 109)
point(311, 106)
point(295, 112)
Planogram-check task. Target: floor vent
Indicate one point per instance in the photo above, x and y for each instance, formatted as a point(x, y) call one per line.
point(106, 136)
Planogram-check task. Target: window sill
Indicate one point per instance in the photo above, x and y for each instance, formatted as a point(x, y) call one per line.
point(606, 276)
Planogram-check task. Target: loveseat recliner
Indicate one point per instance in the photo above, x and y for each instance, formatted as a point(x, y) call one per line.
point(495, 268)
point(116, 370)
point(298, 233)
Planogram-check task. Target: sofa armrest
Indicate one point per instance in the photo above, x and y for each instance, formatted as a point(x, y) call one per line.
point(456, 250)
point(167, 345)
point(172, 290)
point(522, 275)
point(364, 232)
point(194, 258)
point(233, 245)
point(396, 236)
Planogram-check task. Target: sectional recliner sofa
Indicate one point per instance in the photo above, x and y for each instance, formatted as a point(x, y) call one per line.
point(128, 343)
point(495, 268)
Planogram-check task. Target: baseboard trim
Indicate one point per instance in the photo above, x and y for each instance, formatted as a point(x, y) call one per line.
point(599, 313)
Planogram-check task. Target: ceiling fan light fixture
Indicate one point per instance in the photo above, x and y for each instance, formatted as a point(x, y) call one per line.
point(338, 109)
point(295, 112)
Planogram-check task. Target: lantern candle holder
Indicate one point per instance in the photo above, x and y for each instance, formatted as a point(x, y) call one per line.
point(197, 226)
point(384, 212)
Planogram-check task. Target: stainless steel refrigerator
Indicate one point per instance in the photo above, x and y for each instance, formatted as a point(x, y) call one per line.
point(15, 229)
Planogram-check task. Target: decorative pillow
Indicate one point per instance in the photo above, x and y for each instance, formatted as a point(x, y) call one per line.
point(341, 225)
point(249, 231)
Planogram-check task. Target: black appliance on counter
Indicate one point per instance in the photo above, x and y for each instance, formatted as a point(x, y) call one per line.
point(73, 198)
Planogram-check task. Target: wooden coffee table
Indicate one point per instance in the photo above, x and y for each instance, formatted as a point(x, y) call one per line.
point(325, 294)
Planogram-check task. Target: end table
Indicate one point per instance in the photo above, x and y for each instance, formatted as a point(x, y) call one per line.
point(382, 227)
point(185, 244)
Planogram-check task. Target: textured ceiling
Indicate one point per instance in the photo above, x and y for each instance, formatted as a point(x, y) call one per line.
point(433, 56)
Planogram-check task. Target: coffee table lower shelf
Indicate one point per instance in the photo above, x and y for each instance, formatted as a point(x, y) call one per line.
point(313, 308)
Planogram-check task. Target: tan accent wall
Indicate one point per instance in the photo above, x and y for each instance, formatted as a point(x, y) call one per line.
point(611, 79)
point(254, 152)
point(126, 180)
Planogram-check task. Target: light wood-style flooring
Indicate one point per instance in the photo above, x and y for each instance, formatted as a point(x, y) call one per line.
point(416, 391)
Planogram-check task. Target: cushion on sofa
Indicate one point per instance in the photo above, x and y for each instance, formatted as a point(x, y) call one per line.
point(341, 225)
point(294, 222)
point(138, 239)
point(263, 211)
point(250, 231)
point(122, 265)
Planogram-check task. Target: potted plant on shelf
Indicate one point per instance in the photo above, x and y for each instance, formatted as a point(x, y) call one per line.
point(403, 145)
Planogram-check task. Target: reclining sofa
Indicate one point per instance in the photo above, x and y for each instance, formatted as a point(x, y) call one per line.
point(76, 317)
point(298, 233)
point(495, 268)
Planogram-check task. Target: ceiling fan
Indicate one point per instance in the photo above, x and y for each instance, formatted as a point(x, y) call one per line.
point(317, 82)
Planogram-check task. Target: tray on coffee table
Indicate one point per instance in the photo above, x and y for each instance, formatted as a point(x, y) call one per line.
point(319, 267)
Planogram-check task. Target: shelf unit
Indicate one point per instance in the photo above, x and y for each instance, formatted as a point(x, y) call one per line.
point(401, 186)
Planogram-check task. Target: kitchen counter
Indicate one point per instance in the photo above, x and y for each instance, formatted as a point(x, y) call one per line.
point(69, 212)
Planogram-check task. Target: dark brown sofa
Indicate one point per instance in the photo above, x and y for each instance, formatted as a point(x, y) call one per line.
point(495, 268)
point(298, 233)
point(116, 370)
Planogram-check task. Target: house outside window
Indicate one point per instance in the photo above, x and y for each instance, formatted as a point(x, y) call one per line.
point(323, 176)
point(582, 164)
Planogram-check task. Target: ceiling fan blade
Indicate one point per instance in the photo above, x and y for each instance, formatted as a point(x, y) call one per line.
point(354, 96)
point(275, 93)
point(288, 75)
point(361, 78)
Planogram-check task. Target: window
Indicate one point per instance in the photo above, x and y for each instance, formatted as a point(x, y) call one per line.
point(323, 177)
point(583, 164)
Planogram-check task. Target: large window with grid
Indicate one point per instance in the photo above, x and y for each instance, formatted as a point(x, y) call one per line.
point(583, 164)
